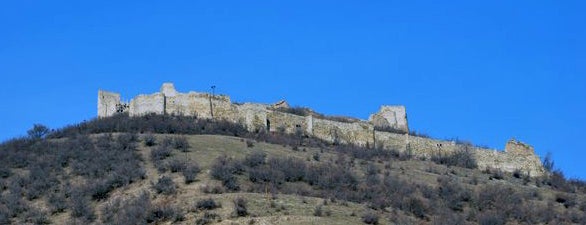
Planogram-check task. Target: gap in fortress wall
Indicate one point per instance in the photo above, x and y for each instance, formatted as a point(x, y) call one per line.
point(387, 128)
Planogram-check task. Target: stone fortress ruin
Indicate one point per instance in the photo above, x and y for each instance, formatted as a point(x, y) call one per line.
point(387, 128)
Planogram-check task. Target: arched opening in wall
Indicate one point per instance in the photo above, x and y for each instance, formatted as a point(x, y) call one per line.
point(268, 125)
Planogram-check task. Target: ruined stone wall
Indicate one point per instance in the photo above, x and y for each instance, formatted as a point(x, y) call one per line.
point(517, 155)
point(253, 116)
point(358, 133)
point(107, 102)
point(388, 140)
point(286, 122)
point(147, 104)
point(256, 117)
point(181, 104)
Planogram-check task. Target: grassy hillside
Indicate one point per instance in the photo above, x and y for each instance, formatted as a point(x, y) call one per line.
point(180, 170)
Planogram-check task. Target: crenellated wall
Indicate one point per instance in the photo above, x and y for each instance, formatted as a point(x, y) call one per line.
point(371, 133)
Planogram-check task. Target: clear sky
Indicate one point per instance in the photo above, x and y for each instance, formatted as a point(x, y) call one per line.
point(480, 71)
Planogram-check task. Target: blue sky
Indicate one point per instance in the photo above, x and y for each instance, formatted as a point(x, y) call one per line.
point(479, 71)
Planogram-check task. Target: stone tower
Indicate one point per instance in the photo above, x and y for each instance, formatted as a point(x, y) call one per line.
point(393, 117)
point(107, 103)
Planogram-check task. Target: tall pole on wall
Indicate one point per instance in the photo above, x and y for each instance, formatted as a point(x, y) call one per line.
point(212, 105)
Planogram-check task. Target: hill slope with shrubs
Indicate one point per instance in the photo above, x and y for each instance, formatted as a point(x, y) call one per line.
point(182, 170)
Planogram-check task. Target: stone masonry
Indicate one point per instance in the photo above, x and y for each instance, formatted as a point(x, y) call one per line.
point(387, 128)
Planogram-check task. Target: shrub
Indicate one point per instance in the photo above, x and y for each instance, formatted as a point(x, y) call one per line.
point(37, 216)
point(207, 218)
point(264, 174)
point(207, 204)
point(127, 141)
point(316, 156)
point(57, 202)
point(223, 169)
point(160, 153)
point(453, 194)
point(133, 210)
point(164, 212)
point(181, 144)
point(5, 172)
point(461, 158)
point(491, 218)
point(190, 172)
point(165, 186)
point(81, 206)
point(150, 140)
point(254, 159)
point(415, 206)
point(548, 163)
point(240, 207)
point(38, 131)
point(318, 211)
point(249, 144)
point(370, 218)
point(177, 166)
point(292, 169)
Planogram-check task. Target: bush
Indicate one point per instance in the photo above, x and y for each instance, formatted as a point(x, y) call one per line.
point(370, 218)
point(150, 140)
point(249, 144)
point(57, 202)
point(165, 186)
point(415, 206)
point(254, 159)
point(133, 210)
point(240, 207)
point(181, 144)
point(177, 166)
point(38, 131)
point(80, 206)
point(190, 172)
point(453, 194)
point(318, 211)
point(160, 153)
point(460, 158)
point(292, 169)
point(207, 218)
point(491, 218)
point(223, 169)
point(164, 212)
point(37, 216)
point(207, 204)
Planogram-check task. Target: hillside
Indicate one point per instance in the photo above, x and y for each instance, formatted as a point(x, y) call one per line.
point(158, 169)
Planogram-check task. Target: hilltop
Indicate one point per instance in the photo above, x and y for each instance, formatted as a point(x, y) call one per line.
point(163, 169)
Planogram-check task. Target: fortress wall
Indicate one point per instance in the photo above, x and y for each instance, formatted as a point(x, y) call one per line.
point(253, 116)
point(107, 102)
point(427, 146)
point(387, 140)
point(358, 133)
point(181, 104)
point(509, 163)
point(223, 108)
point(198, 104)
point(146, 104)
point(289, 123)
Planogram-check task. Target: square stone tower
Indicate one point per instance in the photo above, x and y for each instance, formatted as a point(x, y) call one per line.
point(107, 103)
